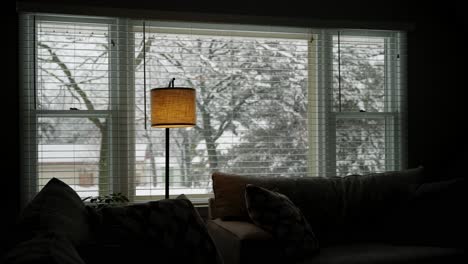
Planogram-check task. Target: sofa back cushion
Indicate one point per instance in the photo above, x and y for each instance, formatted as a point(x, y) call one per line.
point(56, 208)
point(369, 199)
point(335, 207)
point(434, 216)
point(317, 197)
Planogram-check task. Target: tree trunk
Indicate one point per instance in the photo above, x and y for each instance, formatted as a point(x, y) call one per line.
point(187, 159)
point(103, 177)
point(210, 142)
point(153, 166)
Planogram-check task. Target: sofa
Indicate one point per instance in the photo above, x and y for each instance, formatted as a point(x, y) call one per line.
point(58, 227)
point(390, 217)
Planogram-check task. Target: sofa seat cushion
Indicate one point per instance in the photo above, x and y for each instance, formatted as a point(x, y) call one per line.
point(242, 230)
point(243, 242)
point(386, 253)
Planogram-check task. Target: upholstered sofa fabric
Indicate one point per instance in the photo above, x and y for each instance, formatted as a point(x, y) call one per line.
point(331, 205)
point(357, 219)
point(229, 202)
point(434, 216)
point(56, 208)
point(243, 242)
point(275, 213)
point(57, 227)
point(166, 231)
point(381, 253)
point(45, 248)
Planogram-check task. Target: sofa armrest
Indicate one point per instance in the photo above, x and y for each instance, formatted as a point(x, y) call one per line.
point(212, 209)
point(242, 242)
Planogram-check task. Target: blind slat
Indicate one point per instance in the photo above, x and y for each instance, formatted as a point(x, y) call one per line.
point(289, 102)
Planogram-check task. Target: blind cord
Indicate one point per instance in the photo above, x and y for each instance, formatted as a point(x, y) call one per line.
point(34, 62)
point(144, 70)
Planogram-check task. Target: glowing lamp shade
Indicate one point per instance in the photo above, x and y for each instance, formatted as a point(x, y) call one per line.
point(173, 107)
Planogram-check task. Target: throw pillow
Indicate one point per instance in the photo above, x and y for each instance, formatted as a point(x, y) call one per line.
point(275, 213)
point(165, 231)
point(46, 248)
point(56, 208)
point(229, 190)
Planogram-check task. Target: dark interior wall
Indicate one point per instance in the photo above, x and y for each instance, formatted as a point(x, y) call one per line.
point(437, 90)
point(358, 10)
point(436, 66)
point(10, 144)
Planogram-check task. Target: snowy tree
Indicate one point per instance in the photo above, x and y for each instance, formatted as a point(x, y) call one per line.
point(252, 99)
point(72, 63)
point(236, 80)
point(359, 86)
point(276, 142)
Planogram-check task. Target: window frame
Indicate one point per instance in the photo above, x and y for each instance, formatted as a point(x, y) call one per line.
point(29, 99)
point(122, 162)
point(392, 113)
point(208, 30)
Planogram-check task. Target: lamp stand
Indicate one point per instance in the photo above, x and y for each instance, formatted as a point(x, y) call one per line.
point(167, 164)
point(172, 107)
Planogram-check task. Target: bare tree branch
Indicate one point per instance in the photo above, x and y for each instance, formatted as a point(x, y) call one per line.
point(72, 82)
point(92, 60)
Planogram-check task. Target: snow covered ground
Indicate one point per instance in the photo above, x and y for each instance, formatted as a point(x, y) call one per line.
point(142, 191)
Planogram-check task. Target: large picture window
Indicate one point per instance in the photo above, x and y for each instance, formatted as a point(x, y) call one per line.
point(287, 102)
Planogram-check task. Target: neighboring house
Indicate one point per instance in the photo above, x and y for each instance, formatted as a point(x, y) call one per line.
point(77, 165)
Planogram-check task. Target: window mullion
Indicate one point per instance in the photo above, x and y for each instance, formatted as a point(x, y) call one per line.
point(314, 161)
point(328, 117)
point(27, 108)
point(400, 94)
point(127, 55)
point(390, 105)
point(119, 104)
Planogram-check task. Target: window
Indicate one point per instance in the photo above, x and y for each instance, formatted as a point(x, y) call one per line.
point(366, 103)
point(270, 101)
point(245, 116)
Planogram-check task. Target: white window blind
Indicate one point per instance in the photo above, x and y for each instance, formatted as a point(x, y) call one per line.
point(367, 102)
point(271, 101)
point(251, 100)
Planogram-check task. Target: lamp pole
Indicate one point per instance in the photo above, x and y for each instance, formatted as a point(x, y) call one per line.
point(167, 164)
point(172, 107)
point(166, 185)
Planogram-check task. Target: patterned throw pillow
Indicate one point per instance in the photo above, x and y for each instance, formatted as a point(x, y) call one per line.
point(275, 213)
point(164, 231)
point(56, 208)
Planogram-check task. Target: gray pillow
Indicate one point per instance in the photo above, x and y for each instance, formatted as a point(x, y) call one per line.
point(275, 213)
point(56, 208)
